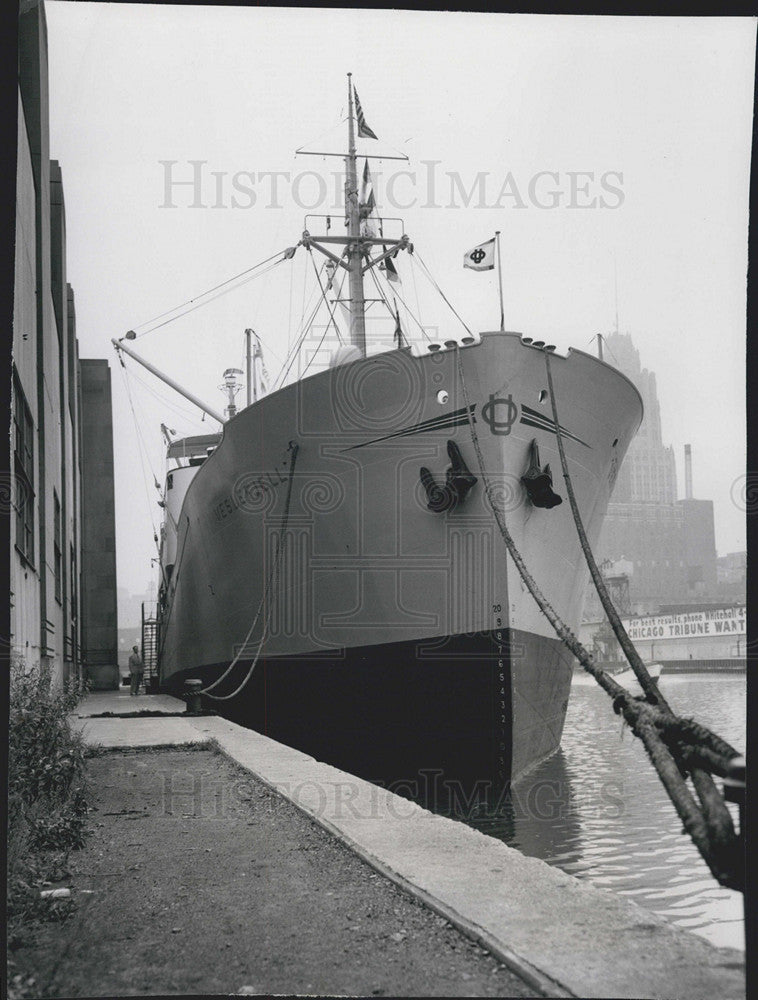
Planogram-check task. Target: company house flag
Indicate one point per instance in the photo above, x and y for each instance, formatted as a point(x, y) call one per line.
point(481, 258)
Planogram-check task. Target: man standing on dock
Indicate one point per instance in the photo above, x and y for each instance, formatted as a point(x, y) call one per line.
point(136, 670)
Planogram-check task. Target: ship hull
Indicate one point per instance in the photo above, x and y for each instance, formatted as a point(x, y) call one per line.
point(433, 720)
point(390, 640)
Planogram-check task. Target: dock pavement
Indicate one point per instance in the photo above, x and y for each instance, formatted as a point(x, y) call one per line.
point(557, 935)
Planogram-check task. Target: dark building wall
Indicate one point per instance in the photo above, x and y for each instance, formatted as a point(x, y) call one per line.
point(63, 424)
point(46, 611)
point(75, 519)
point(699, 548)
point(99, 608)
point(45, 636)
point(33, 83)
point(649, 536)
point(25, 626)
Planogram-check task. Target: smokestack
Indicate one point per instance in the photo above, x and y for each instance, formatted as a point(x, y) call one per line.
point(688, 472)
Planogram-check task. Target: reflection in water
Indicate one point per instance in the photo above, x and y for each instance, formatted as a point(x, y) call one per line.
point(597, 809)
point(540, 815)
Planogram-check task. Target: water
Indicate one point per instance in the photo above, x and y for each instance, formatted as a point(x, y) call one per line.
point(598, 810)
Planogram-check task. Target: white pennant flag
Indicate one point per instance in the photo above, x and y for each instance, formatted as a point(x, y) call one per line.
point(481, 258)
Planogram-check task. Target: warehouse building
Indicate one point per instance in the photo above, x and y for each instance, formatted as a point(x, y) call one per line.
point(52, 626)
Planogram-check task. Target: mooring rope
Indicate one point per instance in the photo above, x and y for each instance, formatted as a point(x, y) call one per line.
point(264, 602)
point(713, 752)
point(635, 661)
point(710, 826)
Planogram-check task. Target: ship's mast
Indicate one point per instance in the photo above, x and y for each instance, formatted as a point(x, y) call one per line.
point(356, 259)
point(357, 303)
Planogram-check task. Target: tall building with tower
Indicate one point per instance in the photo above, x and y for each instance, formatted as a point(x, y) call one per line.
point(666, 546)
point(648, 473)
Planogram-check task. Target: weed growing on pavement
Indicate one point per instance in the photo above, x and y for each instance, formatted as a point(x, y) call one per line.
point(47, 806)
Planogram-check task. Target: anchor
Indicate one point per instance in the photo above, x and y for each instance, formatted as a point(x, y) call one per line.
point(539, 481)
point(458, 481)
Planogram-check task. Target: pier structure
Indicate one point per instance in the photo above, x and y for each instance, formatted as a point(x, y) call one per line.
point(561, 936)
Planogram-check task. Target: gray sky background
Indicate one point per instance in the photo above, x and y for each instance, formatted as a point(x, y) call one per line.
point(664, 102)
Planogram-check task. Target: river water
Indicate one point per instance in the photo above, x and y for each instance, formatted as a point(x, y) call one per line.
point(598, 811)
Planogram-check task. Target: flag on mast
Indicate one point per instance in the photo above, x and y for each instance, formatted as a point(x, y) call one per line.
point(369, 220)
point(364, 132)
point(371, 223)
point(481, 258)
point(390, 270)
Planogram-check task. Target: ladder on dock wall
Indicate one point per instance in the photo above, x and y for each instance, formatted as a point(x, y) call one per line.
point(150, 645)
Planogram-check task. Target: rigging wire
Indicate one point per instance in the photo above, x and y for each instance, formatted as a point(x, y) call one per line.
point(380, 290)
point(207, 301)
point(141, 437)
point(384, 299)
point(415, 291)
point(326, 330)
point(295, 352)
point(431, 278)
point(339, 121)
point(289, 313)
point(163, 400)
point(410, 313)
point(302, 314)
point(202, 295)
point(139, 450)
point(292, 353)
point(323, 296)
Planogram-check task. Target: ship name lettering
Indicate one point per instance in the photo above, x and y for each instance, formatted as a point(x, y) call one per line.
point(225, 508)
point(247, 491)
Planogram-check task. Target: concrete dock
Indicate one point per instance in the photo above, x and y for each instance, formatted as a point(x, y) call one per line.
point(560, 936)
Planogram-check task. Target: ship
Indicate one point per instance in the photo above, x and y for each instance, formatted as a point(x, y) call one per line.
point(332, 572)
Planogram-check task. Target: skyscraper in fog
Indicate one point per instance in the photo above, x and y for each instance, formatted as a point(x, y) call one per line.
point(648, 473)
point(665, 546)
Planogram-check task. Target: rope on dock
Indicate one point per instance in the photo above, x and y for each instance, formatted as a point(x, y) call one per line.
point(676, 747)
point(264, 602)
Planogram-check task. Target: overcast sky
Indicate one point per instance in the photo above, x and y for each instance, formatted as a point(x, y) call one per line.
point(613, 154)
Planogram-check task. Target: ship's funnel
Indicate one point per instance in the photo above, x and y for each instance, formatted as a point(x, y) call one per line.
point(688, 472)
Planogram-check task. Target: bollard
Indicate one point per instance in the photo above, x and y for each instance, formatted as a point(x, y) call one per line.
point(193, 697)
point(734, 785)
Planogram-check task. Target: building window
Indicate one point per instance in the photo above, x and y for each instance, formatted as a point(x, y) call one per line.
point(23, 499)
point(57, 545)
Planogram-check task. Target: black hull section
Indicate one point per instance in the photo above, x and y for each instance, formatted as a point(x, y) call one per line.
point(432, 719)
